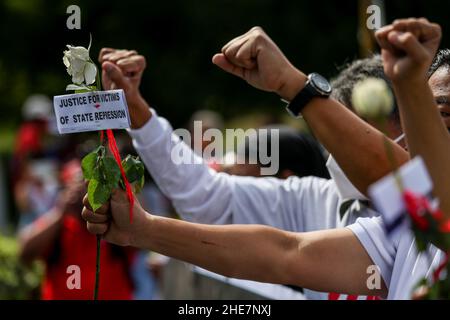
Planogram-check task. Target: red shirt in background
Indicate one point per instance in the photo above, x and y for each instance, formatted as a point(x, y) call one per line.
point(78, 247)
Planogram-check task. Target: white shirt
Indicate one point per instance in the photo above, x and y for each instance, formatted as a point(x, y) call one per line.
point(400, 264)
point(200, 194)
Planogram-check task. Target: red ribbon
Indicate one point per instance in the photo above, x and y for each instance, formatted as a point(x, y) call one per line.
point(416, 207)
point(115, 152)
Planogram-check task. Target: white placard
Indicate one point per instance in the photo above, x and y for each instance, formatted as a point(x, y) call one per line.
point(388, 199)
point(91, 111)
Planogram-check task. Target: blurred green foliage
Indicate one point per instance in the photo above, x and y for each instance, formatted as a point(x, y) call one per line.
point(17, 282)
point(179, 37)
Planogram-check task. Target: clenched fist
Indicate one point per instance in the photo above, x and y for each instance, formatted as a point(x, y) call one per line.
point(123, 69)
point(112, 220)
point(255, 58)
point(408, 48)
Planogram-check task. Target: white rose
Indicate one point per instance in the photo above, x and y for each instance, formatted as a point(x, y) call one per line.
point(372, 98)
point(79, 65)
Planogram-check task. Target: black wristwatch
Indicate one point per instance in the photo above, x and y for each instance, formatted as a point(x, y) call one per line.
point(316, 86)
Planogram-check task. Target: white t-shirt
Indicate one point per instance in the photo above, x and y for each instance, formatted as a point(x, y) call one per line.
point(400, 264)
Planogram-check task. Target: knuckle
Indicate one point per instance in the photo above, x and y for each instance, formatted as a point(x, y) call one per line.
point(142, 61)
point(257, 29)
point(103, 52)
point(228, 52)
point(86, 201)
point(437, 28)
point(258, 32)
point(122, 62)
point(408, 37)
point(91, 227)
point(85, 213)
point(240, 55)
point(96, 228)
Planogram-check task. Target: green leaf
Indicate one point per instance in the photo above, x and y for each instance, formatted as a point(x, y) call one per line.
point(98, 193)
point(111, 172)
point(138, 186)
point(88, 165)
point(134, 169)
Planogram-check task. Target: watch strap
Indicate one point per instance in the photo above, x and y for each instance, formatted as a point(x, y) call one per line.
point(296, 106)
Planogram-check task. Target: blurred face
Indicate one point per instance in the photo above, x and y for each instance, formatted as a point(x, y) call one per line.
point(440, 86)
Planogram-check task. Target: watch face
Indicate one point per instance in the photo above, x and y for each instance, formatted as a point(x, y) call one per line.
point(321, 83)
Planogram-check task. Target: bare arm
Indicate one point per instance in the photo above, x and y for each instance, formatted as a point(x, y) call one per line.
point(408, 50)
point(40, 236)
point(37, 238)
point(255, 58)
point(357, 147)
point(330, 261)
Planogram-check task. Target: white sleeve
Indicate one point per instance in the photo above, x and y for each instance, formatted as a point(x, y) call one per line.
point(198, 193)
point(381, 250)
point(202, 195)
point(295, 204)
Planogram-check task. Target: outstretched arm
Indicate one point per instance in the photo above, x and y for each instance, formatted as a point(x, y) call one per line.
point(329, 261)
point(198, 193)
point(357, 147)
point(38, 238)
point(408, 48)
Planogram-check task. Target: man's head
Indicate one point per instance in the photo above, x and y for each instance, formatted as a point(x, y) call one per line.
point(355, 72)
point(439, 81)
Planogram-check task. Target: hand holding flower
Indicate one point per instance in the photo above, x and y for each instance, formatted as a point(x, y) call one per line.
point(111, 219)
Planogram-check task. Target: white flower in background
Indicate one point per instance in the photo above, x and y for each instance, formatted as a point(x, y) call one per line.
point(79, 65)
point(372, 98)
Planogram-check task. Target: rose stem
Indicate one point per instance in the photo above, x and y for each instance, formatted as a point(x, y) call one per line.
point(97, 268)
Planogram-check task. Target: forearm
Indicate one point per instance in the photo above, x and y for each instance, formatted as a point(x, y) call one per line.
point(357, 147)
point(249, 252)
point(329, 261)
point(37, 238)
point(427, 135)
point(139, 111)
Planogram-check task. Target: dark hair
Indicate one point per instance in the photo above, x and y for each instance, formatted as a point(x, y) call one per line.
point(442, 59)
point(355, 72)
point(298, 152)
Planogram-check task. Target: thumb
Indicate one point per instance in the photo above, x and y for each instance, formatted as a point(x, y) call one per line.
point(112, 75)
point(222, 62)
point(118, 195)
